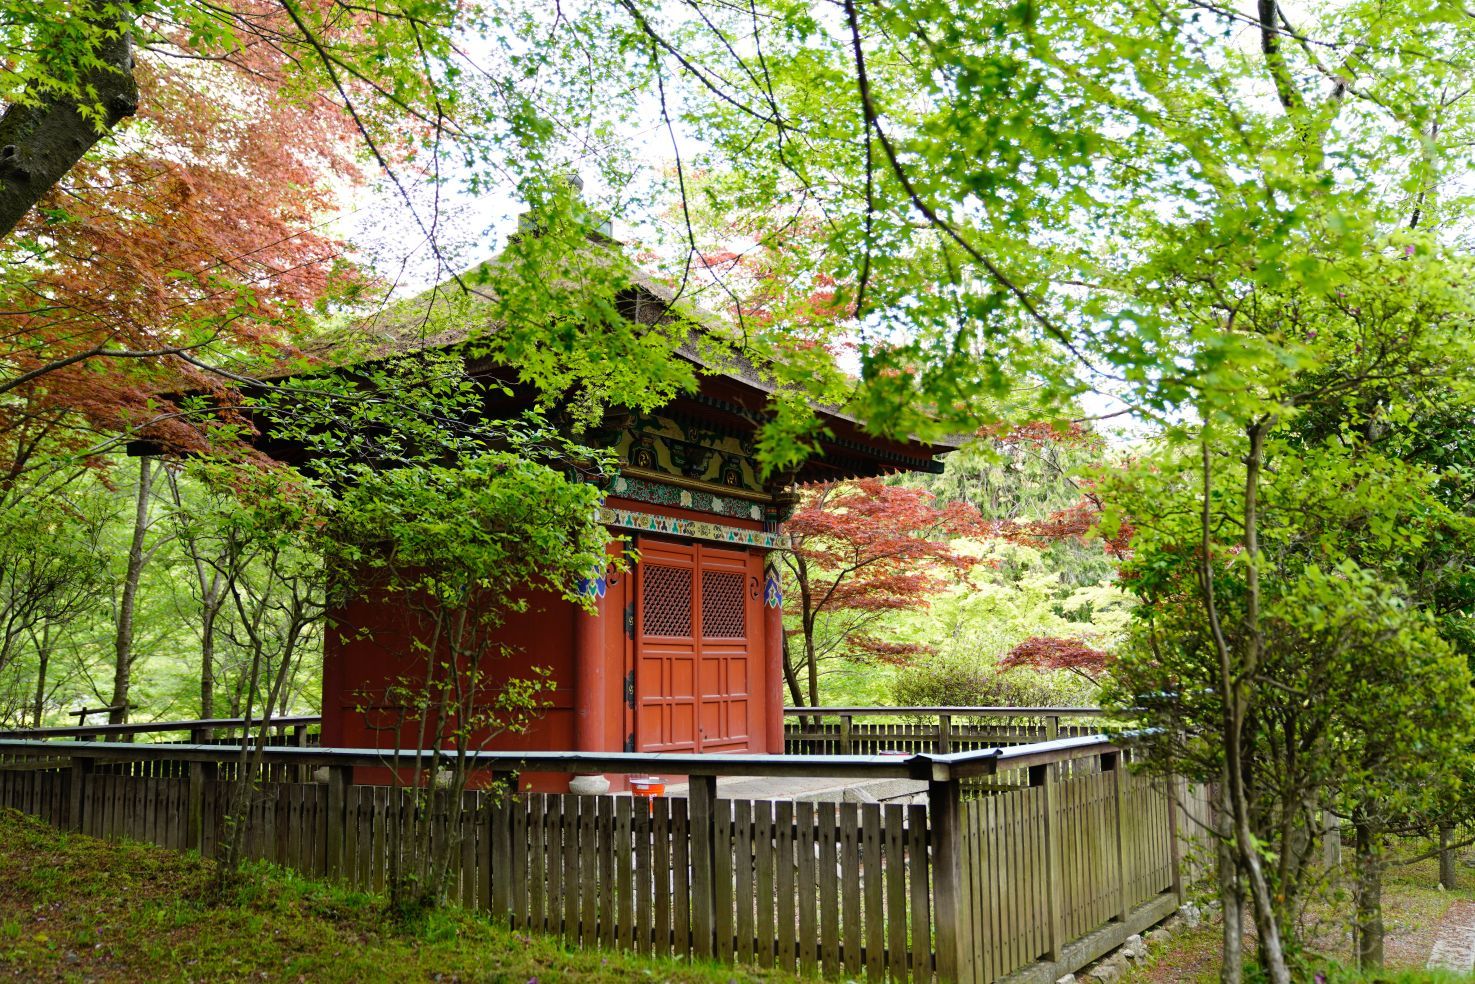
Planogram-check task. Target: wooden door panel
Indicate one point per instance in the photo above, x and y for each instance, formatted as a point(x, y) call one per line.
point(712, 729)
point(737, 718)
point(697, 626)
point(666, 651)
point(727, 630)
point(714, 680)
point(667, 701)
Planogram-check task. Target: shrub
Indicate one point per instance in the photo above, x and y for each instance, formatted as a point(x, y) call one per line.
point(954, 683)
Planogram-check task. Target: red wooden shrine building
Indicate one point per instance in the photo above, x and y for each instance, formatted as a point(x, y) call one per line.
point(683, 652)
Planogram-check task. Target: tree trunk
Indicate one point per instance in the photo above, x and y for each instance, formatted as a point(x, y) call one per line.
point(1331, 844)
point(212, 598)
point(1368, 893)
point(123, 643)
point(809, 655)
point(252, 754)
point(207, 662)
point(237, 813)
point(791, 676)
point(43, 661)
point(1446, 857)
point(807, 614)
point(1231, 891)
point(1237, 667)
point(43, 138)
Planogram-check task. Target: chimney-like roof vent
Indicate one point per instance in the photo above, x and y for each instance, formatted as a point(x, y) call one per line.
point(601, 230)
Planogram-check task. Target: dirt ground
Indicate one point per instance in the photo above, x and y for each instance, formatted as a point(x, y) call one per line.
point(1414, 907)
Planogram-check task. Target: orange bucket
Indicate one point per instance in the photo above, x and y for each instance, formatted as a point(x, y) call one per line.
point(647, 786)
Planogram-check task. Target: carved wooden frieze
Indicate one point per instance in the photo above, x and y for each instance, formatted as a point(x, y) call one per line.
point(690, 452)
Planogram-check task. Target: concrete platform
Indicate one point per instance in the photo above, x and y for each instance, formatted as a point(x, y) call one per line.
point(814, 790)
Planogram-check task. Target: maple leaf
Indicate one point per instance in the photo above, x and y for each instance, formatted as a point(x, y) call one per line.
point(1049, 653)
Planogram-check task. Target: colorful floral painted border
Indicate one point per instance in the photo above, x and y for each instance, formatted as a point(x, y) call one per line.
point(646, 523)
point(660, 494)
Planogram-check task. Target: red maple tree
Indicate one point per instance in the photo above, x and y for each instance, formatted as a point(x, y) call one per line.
point(1049, 653)
point(189, 241)
point(1075, 521)
point(862, 549)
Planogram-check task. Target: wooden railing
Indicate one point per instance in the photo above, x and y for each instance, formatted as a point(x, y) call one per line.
point(295, 730)
point(200, 731)
point(1033, 880)
point(938, 730)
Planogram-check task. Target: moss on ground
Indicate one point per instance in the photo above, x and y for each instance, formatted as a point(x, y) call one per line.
point(74, 908)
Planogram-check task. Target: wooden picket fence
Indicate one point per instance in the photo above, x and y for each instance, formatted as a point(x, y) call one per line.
point(1025, 899)
point(1020, 881)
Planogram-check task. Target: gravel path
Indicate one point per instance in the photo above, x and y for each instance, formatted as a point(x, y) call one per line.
point(1454, 939)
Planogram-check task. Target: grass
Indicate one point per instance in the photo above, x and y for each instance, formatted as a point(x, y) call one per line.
point(1413, 905)
point(74, 908)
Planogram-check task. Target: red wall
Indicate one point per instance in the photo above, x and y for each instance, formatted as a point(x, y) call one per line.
point(368, 647)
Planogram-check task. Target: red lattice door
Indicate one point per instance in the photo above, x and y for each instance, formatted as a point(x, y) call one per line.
point(696, 617)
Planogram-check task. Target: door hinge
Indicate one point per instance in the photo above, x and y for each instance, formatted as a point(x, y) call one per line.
point(630, 742)
point(630, 621)
point(630, 690)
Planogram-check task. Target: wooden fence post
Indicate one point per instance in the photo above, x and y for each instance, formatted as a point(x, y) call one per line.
point(201, 782)
point(847, 729)
point(945, 816)
point(340, 777)
point(1043, 777)
point(299, 740)
point(1115, 763)
point(1052, 727)
point(301, 773)
point(702, 809)
point(944, 734)
point(1176, 789)
point(81, 769)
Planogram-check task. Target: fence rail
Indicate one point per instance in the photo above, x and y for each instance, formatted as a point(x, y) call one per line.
point(202, 729)
point(1025, 882)
point(937, 730)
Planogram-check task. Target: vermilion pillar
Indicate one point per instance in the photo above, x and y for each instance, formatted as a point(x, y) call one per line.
point(773, 647)
point(589, 675)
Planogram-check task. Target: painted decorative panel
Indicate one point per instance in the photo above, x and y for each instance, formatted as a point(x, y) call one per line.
point(696, 529)
point(773, 585)
point(691, 451)
point(660, 494)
